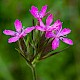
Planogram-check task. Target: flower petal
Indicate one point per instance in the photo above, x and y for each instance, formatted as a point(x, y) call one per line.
point(57, 25)
point(65, 31)
point(43, 11)
point(9, 32)
point(34, 11)
point(41, 28)
point(68, 41)
point(18, 25)
point(13, 39)
point(41, 23)
point(49, 19)
point(27, 30)
point(49, 34)
point(55, 43)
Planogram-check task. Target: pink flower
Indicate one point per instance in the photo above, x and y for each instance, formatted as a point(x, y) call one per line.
point(39, 14)
point(48, 26)
point(59, 35)
point(20, 32)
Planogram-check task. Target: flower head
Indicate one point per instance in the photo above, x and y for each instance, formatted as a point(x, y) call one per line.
point(48, 26)
point(61, 34)
point(20, 32)
point(39, 14)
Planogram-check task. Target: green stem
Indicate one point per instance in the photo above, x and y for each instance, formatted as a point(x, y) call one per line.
point(32, 66)
point(33, 73)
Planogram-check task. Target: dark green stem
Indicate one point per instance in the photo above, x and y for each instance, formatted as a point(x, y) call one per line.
point(54, 53)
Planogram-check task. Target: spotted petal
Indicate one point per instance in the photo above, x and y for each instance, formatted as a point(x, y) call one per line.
point(18, 25)
point(9, 32)
point(68, 41)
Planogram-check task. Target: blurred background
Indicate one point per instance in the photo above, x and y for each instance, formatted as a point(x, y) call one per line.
point(63, 66)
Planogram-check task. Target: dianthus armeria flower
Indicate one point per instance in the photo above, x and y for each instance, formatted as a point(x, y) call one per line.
point(48, 26)
point(59, 35)
point(39, 14)
point(20, 32)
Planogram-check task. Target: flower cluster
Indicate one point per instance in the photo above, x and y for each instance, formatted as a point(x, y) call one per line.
point(52, 31)
point(41, 40)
